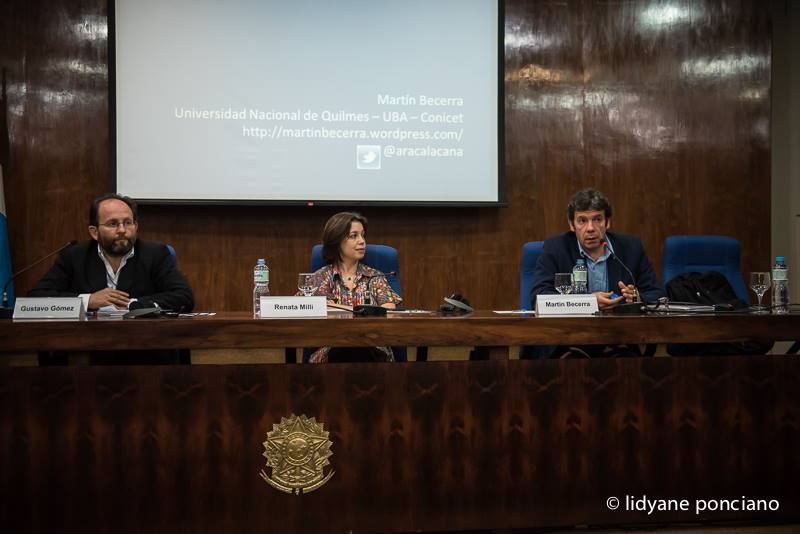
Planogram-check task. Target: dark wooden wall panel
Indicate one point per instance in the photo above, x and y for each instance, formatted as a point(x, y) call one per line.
point(416, 447)
point(669, 116)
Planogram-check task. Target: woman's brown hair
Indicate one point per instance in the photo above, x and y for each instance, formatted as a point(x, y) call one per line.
point(336, 230)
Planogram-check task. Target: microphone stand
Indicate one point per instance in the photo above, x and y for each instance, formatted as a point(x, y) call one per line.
point(6, 311)
point(627, 308)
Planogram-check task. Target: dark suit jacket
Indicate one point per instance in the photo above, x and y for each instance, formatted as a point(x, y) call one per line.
point(560, 252)
point(149, 276)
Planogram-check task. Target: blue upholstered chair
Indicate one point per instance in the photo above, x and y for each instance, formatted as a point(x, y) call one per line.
point(527, 267)
point(173, 255)
point(184, 356)
point(381, 257)
point(701, 253)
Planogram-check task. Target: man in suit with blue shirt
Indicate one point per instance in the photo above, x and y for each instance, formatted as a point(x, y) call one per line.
point(589, 214)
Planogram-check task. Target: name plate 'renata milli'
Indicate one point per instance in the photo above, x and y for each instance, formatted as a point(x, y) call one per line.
point(276, 307)
point(49, 308)
point(566, 305)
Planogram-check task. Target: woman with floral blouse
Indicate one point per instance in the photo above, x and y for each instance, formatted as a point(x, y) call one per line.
point(348, 282)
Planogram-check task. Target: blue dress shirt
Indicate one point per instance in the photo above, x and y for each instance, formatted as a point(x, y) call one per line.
point(598, 273)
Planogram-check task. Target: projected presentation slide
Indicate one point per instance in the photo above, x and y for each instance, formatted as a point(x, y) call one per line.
point(312, 101)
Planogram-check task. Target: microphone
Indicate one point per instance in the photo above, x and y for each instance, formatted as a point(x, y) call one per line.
point(371, 310)
point(5, 310)
point(456, 303)
point(627, 307)
point(605, 244)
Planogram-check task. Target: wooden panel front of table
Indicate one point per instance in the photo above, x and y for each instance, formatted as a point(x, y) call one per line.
point(416, 446)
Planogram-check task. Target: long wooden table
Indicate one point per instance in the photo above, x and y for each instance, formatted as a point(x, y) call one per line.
point(239, 330)
point(416, 446)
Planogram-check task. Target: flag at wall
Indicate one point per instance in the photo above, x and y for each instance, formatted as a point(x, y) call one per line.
point(5, 251)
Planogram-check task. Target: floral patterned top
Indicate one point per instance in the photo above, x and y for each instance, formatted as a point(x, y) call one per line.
point(329, 283)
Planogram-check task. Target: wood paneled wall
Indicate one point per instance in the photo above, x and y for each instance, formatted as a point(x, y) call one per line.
point(664, 107)
point(437, 446)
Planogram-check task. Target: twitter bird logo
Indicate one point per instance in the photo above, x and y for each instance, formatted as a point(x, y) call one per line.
point(368, 157)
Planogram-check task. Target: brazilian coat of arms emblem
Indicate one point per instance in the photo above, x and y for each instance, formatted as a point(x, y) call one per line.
point(297, 450)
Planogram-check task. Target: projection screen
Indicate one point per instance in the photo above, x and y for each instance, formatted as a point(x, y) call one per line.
point(345, 101)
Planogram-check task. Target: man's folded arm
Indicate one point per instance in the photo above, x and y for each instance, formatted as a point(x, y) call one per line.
point(172, 290)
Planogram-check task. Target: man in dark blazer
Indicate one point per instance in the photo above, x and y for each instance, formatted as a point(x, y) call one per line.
point(116, 270)
point(589, 215)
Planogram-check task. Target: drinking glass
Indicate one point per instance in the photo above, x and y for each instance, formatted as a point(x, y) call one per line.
point(305, 283)
point(563, 283)
point(759, 282)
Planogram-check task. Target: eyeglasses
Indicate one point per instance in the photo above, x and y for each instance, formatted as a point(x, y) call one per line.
point(113, 225)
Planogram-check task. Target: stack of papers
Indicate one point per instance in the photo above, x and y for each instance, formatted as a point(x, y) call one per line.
point(674, 307)
point(110, 311)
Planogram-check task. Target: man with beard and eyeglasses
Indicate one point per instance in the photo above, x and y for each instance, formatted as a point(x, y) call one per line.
point(115, 270)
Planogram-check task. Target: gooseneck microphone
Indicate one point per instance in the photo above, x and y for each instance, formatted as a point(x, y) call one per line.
point(456, 303)
point(5, 312)
point(613, 255)
point(626, 307)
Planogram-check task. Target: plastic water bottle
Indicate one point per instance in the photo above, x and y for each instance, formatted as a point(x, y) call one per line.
point(260, 285)
point(580, 277)
point(780, 286)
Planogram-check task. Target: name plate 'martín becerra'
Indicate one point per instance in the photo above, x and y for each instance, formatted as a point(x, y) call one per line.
point(49, 308)
point(566, 305)
point(275, 307)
